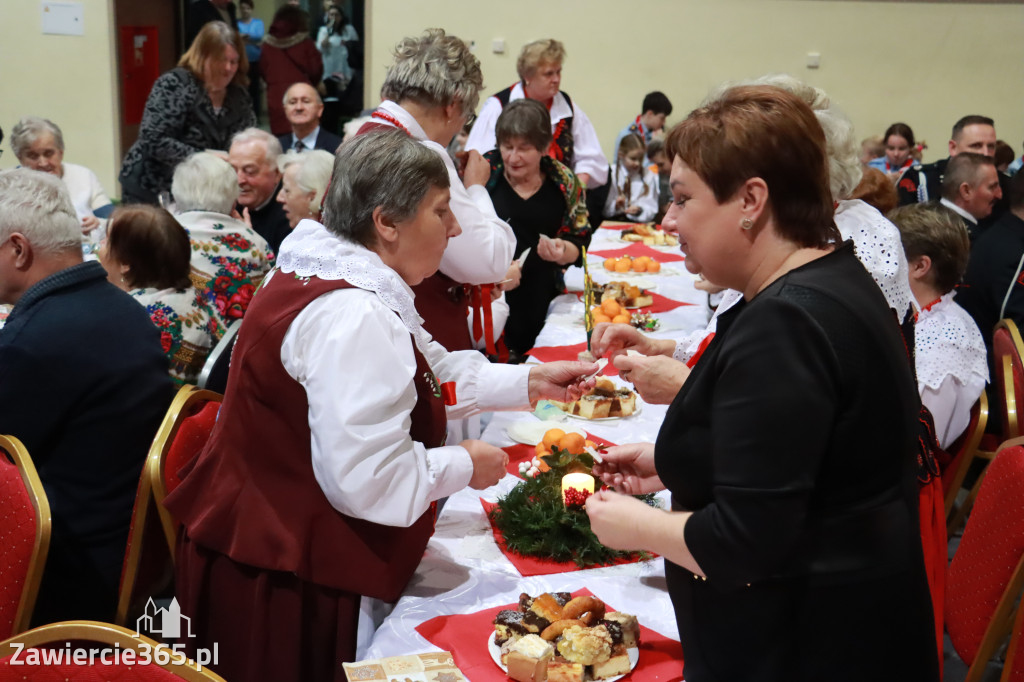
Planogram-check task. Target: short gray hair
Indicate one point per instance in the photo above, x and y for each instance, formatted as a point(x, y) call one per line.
point(273, 145)
point(27, 131)
point(313, 175)
point(524, 119)
point(284, 97)
point(843, 149)
point(964, 167)
point(37, 205)
point(385, 169)
point(434, 70)
point(204, 182)
point(546, 51)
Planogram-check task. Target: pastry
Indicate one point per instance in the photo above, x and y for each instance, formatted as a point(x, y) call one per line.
point(528, 659)
point(585, 645)
point(507, 625)
point(617, 664)
point(588, 609)
point(604, 400)
point(555, 630)
point(629, 625)
point(561, 670)
point(543, 611)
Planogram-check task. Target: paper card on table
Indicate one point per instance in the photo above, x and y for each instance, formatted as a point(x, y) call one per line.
point(522, 258)
point(661, 658)
point(437, 666)
point(528, 565)
point(637, 250)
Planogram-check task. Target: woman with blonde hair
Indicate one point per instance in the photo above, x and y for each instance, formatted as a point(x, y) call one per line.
point(198, 105)
point(304, 180)
point(790, 451)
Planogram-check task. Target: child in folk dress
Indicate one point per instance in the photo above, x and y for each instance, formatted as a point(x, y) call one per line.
point(632, 188)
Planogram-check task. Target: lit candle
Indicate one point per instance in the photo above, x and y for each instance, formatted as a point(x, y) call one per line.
point(576, 488)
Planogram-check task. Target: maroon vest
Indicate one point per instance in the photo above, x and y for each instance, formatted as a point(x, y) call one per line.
point(251, 494)
point(442, 302)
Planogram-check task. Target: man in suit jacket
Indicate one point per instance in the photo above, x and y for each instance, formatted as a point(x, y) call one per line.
point(253, 155)
point(303, 108)
point(83, 384)
point(970, 188)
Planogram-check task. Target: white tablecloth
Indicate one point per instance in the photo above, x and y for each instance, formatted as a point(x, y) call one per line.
point(463, 570)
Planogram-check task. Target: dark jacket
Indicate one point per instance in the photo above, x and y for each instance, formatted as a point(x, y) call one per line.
point(325, 140)
point(84, 385)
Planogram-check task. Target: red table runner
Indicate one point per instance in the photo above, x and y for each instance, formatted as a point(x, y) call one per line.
point(636, 250)
point(467, 637)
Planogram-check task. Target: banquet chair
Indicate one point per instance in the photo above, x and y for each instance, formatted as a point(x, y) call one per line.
point(1013, 666)
point(182, 435)
point(986, 575)
point(214, 375)
point(147, 664)
point(966, 449)
point(24, 536)
point(1008, 354)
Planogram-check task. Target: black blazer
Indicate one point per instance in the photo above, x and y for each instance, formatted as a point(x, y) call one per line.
point(325, 140)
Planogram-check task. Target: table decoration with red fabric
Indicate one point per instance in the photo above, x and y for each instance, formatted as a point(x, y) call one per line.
point(524, 453)
point(466, 636)
point(636, 250)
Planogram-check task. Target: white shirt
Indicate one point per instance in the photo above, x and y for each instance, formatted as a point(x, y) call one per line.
point(354, 357)
point(587, 155)
point(308, 142)
point(951, 366)
point(878, 246)
point(85, 189)
point(484, 250)
point(335, 55)
point(959, 211)
point(640, 189)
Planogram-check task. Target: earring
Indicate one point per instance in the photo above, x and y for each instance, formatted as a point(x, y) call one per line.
point(746, 223)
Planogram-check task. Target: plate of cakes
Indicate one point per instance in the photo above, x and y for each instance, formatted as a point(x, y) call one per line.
point(649, 235)
point(605, 401)
point(558, 638)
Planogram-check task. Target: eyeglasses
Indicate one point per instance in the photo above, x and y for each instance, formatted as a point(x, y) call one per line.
point(470, 120)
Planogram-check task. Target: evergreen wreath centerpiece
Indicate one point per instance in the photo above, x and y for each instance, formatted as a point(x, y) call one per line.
point(542, 517)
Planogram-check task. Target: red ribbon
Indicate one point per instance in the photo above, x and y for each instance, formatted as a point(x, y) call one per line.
point(448, 393)
point(700, 350)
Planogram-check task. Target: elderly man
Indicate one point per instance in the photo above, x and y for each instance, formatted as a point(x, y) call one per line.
point(971, 134)
point(229, 258)
point(303, 109)
point(970, 188)
point(83, 384)
point(253, 155)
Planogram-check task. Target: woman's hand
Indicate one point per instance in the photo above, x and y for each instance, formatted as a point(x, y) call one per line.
point(557, 251)
point(617, 520)
point(633, 210)
point(657, 379)
point(513, 277)
point(629, 469)
point(563, 381)
point(489, 463)
point(478, 170)
point(89, 223)
point(620, 203)
point(610, 340)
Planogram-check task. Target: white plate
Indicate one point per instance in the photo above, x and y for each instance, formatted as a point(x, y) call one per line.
point(495, 651)
point(635, 278)
point(532, 432)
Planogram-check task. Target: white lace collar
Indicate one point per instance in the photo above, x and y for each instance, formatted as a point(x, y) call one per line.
point(403, 117)
point(947, 342)
point(311, 250)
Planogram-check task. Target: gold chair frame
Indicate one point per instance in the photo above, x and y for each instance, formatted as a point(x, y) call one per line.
point(107, 633)
point(41, 546)
point(972, 443)
point(1011, 427)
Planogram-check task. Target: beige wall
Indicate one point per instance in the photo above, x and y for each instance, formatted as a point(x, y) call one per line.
point(69, 79)
point(925, 63)
point(957, 58)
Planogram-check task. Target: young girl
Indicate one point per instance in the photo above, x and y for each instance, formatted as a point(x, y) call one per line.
point(632, 188)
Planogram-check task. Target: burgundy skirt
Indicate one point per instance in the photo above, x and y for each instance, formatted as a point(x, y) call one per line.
point(267, 625)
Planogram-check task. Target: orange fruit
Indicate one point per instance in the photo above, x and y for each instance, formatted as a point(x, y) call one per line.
point(573, 443)
point(609, 263)
point(590, 444)
point(541, 450)
point(610, 307)
point(654, 266)
point(623, 265)
point(621, 318)
point(543, 466)
point(551, 438)
point(640, 265)
point(601, 317)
